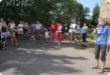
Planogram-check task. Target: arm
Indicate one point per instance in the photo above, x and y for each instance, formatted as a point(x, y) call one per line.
point(109, 38)
point(0, 28)
point(94, 32)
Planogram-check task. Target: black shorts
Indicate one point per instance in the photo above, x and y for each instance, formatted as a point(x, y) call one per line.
point(25, 30)
point(100, 49)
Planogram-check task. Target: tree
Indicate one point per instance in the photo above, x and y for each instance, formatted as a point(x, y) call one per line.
point(43, 10)
point(95, 15)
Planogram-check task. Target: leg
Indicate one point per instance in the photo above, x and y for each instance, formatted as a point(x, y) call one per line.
point(103, 57)
point(59, 37)
point(97, 53)
point(14, 37)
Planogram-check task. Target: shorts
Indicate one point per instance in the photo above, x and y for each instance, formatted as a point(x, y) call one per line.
point(4, 35)
point(20, 32)
point(100, 49)
point(77, 33)
point(25, 30)
point(47, 36)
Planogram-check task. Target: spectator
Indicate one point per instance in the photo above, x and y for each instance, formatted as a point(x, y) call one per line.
point(84, 33)
point(53, 28)
point(59, 33)
point(20, 29)
point(32, 32)
point(38, 27)
point(12, 27)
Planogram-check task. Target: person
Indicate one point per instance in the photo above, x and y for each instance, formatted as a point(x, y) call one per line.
point(103, 34)
point(26, 27)
point(53, 28)
point(72, 31)
point(47, 35)
point(66, 33)
point(84, 33)
point(12, 27)
point(32, 32)
point(59, 33)
point(1, 45)
point(20, 29)
point(4, 33)
point(38, 27)
point(78, 32)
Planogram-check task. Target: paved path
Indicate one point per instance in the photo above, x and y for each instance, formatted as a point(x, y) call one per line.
point(39, 58)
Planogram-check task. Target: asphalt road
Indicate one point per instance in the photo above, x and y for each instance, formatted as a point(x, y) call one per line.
point(41, 58)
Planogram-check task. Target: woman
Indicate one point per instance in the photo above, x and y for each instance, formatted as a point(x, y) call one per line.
point(72, 31)
point(26, 27)
point(53, 28)
point(4, 33)
point(77, 33)
point(59, 33)
point(84, 33)
point(32, 32)
point(12, 27)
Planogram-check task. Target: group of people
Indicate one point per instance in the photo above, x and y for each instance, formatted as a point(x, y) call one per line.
point(74, 32)
point(37, 31)
point(15, 32)
point(77, 32)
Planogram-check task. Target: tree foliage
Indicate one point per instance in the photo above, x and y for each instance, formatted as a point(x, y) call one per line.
point(43, 10)
point(95, 16)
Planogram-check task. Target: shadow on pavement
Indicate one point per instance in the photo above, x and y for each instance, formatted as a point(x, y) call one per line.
point(31, 59)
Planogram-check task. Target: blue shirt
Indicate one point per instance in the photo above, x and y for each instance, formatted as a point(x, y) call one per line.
point(102, 34)
point(84, 29)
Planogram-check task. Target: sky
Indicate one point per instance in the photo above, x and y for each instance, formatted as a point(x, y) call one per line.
point(89, 3)
point(0, 0)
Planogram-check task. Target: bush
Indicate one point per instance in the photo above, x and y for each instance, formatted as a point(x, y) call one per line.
point(90, 35)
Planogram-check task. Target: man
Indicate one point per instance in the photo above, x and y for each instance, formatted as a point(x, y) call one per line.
point(38, 28)
point(53, 28)
point(103, 32)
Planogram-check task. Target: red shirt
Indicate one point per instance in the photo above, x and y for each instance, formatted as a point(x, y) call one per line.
point(53, 27)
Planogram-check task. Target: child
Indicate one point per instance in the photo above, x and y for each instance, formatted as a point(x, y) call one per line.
point(32, 30)
point(47, 36)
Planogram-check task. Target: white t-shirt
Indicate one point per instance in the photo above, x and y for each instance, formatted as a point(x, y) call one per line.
point(20, 27)
point(72, 27)
point(12, 26)
point(38, 26)
point(59, 28)
point(47, 35)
